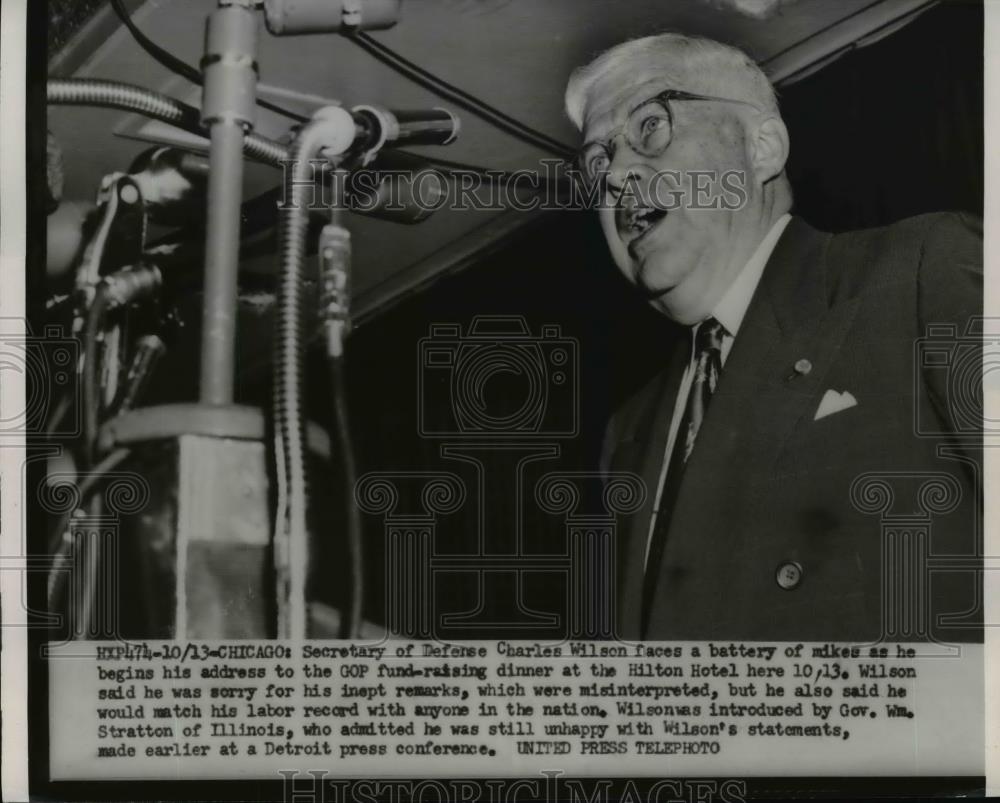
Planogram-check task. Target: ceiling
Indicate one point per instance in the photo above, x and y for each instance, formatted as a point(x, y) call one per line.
point(513, 54)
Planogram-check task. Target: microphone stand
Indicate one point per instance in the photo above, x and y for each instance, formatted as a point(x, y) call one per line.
point(237, 570)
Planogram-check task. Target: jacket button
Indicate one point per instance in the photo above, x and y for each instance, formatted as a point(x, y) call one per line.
point(789, 575)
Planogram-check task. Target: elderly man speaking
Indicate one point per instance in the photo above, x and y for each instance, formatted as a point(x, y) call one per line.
point(810, 475)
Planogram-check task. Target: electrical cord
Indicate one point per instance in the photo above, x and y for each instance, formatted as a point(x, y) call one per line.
point(494, 176)
point(164, 57)
point(351, 624)
point(382, 53)
point(178, 66)
point(289, 367)
point(59, 544)
point(59, 413)
point(120, 288)
point(280, 542)
point(459, 97)
point(258, 212)
point(387, 56)
point(92, 555)
point(91, 401)
point(117, 95)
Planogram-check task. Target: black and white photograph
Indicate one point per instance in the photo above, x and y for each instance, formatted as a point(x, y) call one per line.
point(498, 399)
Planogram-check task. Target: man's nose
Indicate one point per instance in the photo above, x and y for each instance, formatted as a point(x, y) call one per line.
point(621, 167)
point(626, 165)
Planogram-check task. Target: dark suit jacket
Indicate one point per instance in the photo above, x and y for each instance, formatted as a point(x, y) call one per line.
point(877, 508)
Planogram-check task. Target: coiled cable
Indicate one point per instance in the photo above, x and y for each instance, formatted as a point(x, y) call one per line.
point(289, 366)
point(118, 95)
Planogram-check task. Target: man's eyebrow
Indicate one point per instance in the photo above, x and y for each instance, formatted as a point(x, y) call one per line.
point(599, 139)
point(637, 102)
point(610, 116)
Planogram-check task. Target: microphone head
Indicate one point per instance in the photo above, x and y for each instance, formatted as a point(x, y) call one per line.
point(399, 187)
point(290, 17)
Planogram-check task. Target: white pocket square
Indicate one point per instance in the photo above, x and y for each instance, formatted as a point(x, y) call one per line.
point(835, 402)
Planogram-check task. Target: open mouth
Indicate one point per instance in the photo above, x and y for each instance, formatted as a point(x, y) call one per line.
point(634, 224)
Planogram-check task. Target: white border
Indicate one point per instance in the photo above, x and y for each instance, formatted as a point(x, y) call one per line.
point(13, 658)
point(13, 691)
point(991, 400)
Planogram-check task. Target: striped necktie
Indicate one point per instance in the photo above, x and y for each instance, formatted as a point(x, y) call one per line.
point(707, 367)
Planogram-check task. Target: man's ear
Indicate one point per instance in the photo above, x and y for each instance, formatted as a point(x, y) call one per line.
point(769, 148)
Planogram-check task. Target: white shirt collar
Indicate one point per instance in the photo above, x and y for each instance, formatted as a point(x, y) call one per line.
point(732, 307)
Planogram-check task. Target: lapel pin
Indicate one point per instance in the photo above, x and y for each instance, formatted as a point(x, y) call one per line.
point(801, 368)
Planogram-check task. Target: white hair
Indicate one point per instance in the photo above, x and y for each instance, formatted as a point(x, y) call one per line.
point(725, 65)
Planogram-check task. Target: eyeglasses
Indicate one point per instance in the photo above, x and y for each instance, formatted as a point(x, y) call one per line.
point(648, 131)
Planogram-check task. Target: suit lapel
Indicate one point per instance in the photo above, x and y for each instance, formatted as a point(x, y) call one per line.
point(788, 320)
point(759, 400)
point(641, 449)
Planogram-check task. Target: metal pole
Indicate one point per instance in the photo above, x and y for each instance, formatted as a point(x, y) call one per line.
point(225, 191)
point(229, 111)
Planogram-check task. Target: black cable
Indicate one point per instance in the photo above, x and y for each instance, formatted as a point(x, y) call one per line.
point(59, 545)
point(476, 105)
point(76, 91)
point(459, 97)
point(92, 555)
point(164, 57)
point(350, 626)
point(176, 65)
point(90, 394)
point(461, 167)
point(382, 53)
point(59, 413)
point(451, 168)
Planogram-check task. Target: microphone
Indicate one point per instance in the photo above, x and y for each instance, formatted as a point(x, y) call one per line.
point(396, 186)
point(291, 17)
point(382, 126)
point(400, 187)
point(65, 237)
point(172, 183)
